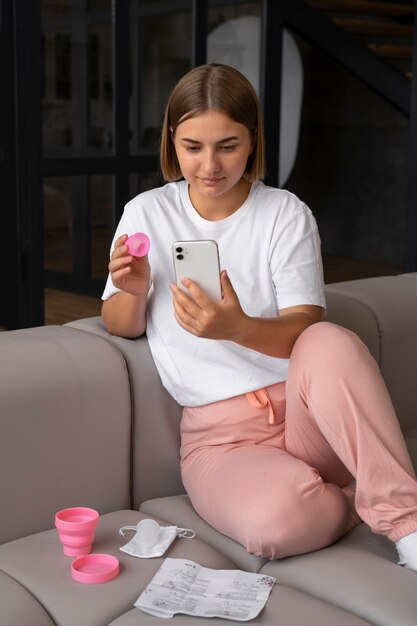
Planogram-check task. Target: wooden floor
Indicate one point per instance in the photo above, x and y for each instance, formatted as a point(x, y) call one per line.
point(339, 269)
point(62, 307)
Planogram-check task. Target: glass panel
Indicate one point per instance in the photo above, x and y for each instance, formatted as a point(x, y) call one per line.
point(58, 225)
point(56, 8)
point(142, 182)
point(160, 53)
point(60, 195)
point(99, 5)
point(102, 228)
point(234, 38)
point(77, 81)
point(57, 90)
point(101, 87)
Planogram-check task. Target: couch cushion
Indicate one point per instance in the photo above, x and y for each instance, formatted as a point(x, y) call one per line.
point(37, 562)
point(285, 607)
point(41, 570)
point(359, 574)
point(19, 606)
point(65, 405)
point(178, 510)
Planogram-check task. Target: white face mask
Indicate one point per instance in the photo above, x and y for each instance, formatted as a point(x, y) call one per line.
point(151, 539)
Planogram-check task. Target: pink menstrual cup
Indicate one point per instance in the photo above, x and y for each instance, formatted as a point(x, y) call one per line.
point(76, 528)
point(148, 532)
point(138, 244)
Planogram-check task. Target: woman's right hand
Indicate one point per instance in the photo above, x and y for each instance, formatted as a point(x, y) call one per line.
point(130, 274)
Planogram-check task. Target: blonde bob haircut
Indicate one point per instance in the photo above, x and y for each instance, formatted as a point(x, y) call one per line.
point(213, 87)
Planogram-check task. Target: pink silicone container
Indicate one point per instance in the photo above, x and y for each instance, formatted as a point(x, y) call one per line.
point(94, 569)
point(138, 244)
point(76, 528)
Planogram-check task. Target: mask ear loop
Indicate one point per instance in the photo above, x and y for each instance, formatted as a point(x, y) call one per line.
point(123, 530)
point(186, 533)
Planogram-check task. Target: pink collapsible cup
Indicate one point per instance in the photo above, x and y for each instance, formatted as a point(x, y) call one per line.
point(76, 528)
point(138, 244)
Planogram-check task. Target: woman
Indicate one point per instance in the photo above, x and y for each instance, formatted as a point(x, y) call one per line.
point(282, 412)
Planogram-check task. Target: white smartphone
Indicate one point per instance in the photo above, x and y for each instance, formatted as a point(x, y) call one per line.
point(199, 261)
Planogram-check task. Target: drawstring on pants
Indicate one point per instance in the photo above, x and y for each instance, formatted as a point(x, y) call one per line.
point(261, 399)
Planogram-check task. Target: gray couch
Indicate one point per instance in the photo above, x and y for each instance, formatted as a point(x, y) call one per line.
point(85, 422)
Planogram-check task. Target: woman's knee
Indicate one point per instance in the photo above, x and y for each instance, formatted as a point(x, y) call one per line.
point(307, 516)
point(327, 334)
point(272, 503)
point(328, 345)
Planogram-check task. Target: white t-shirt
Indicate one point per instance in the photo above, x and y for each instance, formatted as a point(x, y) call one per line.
point(270, 248)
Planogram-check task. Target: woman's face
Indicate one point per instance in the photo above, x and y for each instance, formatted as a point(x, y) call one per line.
point(212, 152)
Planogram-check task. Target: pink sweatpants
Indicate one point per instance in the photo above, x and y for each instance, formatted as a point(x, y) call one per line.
point(285, 488)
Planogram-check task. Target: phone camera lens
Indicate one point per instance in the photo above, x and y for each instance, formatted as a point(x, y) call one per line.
point(178, 249)
point(180, 256)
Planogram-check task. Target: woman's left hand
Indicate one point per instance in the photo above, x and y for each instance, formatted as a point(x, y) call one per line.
point(197, 313)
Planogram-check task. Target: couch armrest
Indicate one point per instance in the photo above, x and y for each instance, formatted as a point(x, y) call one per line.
point(391, 302)
point(65, 424)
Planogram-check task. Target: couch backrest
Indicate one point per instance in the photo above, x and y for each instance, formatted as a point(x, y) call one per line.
point(156, 418)
point(65, 427)
point(383, 312)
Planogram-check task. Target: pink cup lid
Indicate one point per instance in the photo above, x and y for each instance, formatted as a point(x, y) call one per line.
point(138, 244)
point(93, 569)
